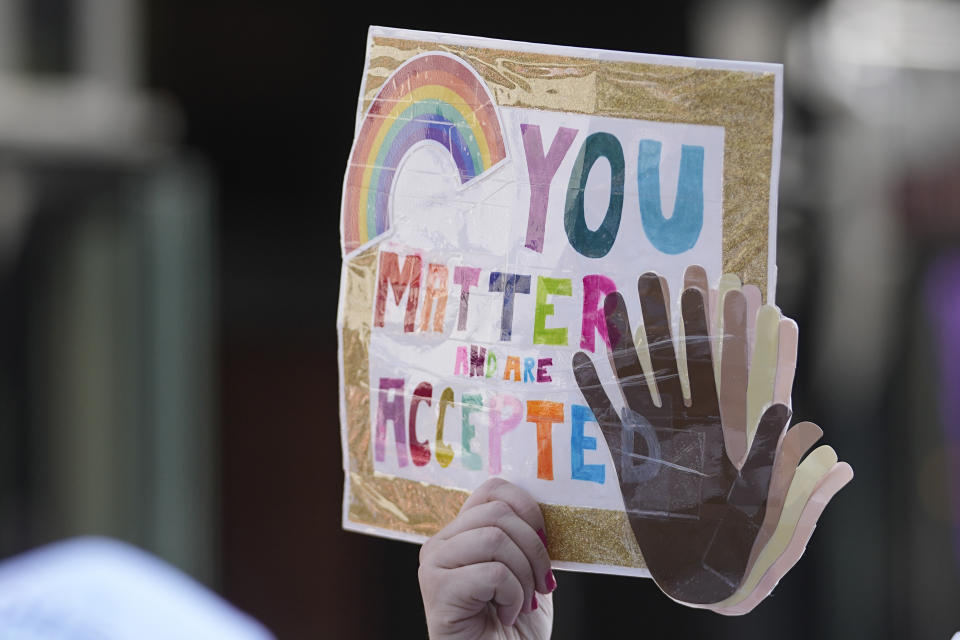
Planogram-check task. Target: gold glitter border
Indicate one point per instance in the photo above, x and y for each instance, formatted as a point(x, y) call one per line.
point(742, 102)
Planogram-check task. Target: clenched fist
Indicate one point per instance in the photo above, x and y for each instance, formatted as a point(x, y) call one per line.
point(481, 574)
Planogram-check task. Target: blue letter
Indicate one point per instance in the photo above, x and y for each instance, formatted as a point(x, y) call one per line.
point(578, 443)
point(633, 466)
point(680, 232)
point(508, 283)
point(528, 365)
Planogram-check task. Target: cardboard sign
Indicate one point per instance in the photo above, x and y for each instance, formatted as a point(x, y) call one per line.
point(496, 193)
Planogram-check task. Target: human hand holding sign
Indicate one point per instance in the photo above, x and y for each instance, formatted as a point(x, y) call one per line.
point(479, 576)
point(694, 513)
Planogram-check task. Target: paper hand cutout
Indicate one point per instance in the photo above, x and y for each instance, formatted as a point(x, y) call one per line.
point(759, 353)
point(694, 513)
point(671, 463)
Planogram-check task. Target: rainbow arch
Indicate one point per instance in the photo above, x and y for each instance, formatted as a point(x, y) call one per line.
point(434, 97)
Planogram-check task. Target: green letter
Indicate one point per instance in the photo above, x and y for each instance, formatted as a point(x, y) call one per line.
point(545, 287)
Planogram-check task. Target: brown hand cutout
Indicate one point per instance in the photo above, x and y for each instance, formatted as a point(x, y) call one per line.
point(827, 487)
point(795, 442)
point(734, 375)
point(694, 514)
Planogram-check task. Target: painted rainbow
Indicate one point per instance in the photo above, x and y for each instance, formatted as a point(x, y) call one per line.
point(433, 97)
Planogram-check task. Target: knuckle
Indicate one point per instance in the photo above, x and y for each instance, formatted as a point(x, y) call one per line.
point(492, 537)
point(480, 495)
point(499, 509)
point(491, 486)
point(498, 572)
point(531, 512)
point(495, 482)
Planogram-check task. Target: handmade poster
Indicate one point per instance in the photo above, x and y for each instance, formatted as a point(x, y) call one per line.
point(498, 194)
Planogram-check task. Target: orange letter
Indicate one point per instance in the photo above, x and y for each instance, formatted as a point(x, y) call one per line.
point(544, 414)
point(513, 364)
point(436, 290)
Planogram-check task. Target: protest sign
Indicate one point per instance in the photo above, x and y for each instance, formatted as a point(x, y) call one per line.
point(496, 193)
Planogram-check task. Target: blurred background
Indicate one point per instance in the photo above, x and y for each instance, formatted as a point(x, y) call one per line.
point(170, 176)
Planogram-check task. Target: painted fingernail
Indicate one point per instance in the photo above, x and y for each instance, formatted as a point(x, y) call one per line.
point(551, 581)
point(543, 536)
point(533, 603)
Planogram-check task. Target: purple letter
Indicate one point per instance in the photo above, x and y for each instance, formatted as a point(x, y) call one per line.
point(508, 283)
point(391, 409)
point(478, 356)
point(542, 374)
point(466, 277)
point(541, 170)
point(460, 367)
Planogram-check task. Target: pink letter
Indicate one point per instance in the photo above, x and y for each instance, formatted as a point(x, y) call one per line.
point(461, 367)
point(595, 289)
point(500, 424)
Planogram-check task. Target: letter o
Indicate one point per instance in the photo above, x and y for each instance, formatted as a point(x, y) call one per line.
point(594, 244)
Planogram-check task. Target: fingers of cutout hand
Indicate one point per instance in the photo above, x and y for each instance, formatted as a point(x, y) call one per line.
point(763, 366)
point(750, 492)
point(793, 540)
point(665, 289)
point(797, 440)
point(733, 375)
point(764, 448)
point(656, 321)
point(754, 300)
point(786, 361)
point(623, 358)
point(490, 518)
point(728, 282)
point(695, 276)
point(618, 324)
point(703, 389)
